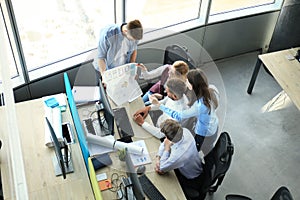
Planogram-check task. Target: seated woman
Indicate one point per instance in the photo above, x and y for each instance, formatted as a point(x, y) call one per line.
point(179, 68)
point(203, 106)
point(175, 99)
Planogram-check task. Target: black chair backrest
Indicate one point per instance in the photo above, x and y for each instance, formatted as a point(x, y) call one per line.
point(282, 194)
point(217, 161)
point(175, 52)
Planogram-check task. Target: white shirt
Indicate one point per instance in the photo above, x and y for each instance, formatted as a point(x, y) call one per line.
point(177, 105)
point(153, 73)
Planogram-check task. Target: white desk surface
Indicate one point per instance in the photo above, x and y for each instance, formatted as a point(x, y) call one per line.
point(40, 176)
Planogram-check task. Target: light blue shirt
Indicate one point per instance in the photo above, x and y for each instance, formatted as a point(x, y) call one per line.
point(183, 156)
point(114, 47)
point(207, 123)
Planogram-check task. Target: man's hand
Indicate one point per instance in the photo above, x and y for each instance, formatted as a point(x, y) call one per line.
point(157, 166)
point(138, 119)
point(158, 96)
point(143, 112)
point(153, 99)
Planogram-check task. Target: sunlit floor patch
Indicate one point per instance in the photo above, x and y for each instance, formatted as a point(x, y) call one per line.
point(280, 101)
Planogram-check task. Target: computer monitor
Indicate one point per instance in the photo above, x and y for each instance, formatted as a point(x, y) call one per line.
point(106, 123)
point(62, 162)
point(132, 174)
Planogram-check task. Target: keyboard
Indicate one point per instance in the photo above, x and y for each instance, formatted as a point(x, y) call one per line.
point(149, 188)
point(123, 123)
point(88, 124)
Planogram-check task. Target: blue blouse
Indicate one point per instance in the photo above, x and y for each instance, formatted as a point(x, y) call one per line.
point(207, 123)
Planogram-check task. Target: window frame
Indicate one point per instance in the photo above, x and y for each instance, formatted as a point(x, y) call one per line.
point(19, 78)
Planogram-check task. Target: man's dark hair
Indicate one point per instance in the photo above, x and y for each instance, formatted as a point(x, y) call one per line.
point(135, 29)
point(172, 130)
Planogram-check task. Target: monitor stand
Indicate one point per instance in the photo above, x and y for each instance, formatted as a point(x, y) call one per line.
point(57, 168)
point(67, 163)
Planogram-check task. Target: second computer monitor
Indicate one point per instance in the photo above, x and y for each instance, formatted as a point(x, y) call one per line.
point(108, 121)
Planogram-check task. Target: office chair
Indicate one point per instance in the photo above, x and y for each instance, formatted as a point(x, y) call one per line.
point(282, 193)
point(216, 165)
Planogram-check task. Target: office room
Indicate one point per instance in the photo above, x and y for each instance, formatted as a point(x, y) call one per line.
point(227, 39)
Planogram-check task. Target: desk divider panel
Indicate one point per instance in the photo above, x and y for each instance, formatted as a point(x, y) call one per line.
point(77, 122)
point(93, 179)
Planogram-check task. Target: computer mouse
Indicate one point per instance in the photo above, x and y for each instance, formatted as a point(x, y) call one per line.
point(141, 169)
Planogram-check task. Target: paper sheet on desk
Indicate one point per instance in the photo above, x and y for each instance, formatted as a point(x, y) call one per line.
point(140, 159)
point(121, 85)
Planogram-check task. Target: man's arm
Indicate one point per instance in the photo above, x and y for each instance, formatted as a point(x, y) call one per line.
point(155, 131)
point(133, 56)
point(102, 66)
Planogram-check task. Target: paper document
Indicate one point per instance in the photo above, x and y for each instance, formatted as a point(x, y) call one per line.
point(140, 159)
point(121, 85)
point(86, 94)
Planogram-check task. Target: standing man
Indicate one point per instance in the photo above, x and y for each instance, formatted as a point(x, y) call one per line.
point(118, 45)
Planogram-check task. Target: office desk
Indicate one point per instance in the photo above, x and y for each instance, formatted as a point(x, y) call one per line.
point(286, 72)
point(40, 176)
point(167, 184)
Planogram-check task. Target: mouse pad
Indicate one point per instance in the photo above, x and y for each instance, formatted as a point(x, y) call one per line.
point(102, 160)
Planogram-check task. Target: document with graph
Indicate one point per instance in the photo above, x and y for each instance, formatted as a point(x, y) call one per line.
point(140, 159)
point(121, 85)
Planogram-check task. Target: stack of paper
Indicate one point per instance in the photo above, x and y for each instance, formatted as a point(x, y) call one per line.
point(140, 159)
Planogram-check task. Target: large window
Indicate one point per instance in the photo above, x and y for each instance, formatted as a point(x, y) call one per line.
point(155, 14)
point(47, 36)
point(6, 48)
point(222, 6)
point(9, 60)
point(51, 31)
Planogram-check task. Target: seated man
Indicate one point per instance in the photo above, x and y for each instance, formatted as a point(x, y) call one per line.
point(175, 88)
point(178, 151)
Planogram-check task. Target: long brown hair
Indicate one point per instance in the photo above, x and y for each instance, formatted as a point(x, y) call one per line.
point(198, 80)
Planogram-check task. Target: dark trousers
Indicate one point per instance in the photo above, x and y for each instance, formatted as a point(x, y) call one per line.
point(192, 188)
point(206, 144)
